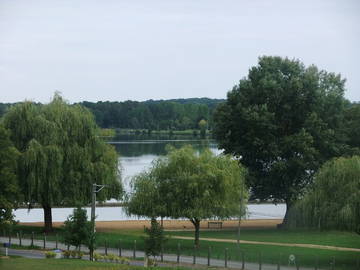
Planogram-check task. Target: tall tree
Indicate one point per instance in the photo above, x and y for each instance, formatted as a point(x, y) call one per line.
point(282, 121)
point(61, 156)
point(9, 191)
point(185, 184)
point(333, 202)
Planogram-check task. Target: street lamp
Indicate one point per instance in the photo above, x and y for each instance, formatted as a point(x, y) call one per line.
point(95, 189)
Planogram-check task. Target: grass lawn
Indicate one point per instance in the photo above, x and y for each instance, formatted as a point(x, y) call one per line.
point(269, 254)
point(328, 238)
point(68, 264)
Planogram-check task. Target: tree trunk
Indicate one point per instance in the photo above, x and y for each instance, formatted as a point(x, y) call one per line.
point(196, 223)
point(47, 218)
point(286, 217)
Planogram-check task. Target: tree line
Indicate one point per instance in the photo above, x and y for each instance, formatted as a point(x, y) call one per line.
point(173, 114)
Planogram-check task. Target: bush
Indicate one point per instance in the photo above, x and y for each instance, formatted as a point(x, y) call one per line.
point(66, 254)
point(111, 257)
point(73, 253)
point(79, 254)
point(50, 254)
point(98, 256)
point(125, 260)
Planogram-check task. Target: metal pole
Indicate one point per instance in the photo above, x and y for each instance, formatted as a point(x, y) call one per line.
point(119, 248)
point(93, 208)
point(162, 253)
point(238, 236)
point(226, 251)
point(243, 260)
point(93, 201)
point(208, 258)
point(260, 261)
point(178, 253)
point(279, 261)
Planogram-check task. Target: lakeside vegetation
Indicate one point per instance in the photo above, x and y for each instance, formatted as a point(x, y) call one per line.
point(287, 130)
point(269, 253)
point(154, 115)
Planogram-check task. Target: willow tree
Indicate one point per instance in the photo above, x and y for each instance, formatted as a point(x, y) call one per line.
point(9, 189)
point(334, 199)
point(185, 184)
point(61, 156)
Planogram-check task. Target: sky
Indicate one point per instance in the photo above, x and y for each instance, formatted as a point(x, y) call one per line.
point(116, 50)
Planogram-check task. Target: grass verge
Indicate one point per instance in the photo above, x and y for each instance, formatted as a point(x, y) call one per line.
point(308, 257)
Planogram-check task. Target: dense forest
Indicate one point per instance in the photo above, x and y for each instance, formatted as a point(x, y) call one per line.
point(174, 114)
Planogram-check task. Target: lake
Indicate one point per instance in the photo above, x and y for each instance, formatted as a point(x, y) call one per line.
point(136, 153)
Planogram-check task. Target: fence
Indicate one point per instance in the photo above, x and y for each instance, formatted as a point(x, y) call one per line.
point(211, 256)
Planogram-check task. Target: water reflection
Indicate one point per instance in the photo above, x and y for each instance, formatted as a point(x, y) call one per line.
point(137, 152)
point(134, 146)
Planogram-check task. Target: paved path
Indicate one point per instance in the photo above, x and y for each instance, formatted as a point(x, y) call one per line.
point(270, 243)
point(201, 261)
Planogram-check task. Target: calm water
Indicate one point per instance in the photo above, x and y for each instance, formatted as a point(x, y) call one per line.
point(136, 154)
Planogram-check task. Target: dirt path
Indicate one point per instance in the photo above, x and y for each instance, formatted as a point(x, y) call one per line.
point(270, 243)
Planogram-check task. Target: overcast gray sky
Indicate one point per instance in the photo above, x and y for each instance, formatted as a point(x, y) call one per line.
point(140, 49)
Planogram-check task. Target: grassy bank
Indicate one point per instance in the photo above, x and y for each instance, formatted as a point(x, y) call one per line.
point(69, 264)
point(252, 252)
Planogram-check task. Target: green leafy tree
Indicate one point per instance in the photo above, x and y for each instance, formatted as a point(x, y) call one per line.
point(155, 239)
point(9, 191)
point(61, 155)
point(282, 121)
point(333, 201)
point(352, 127)
point(202, 126)
point(77, 228)
point(185, 184)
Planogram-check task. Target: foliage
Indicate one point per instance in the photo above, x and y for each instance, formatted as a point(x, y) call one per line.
point(154, 241)
point(77, 229)
point(111, 258)
point(176, 114)
point(203, 127)
point(352, 127)
point(9, 191)
point(185, 184)
point(333, 202)
point(50, 254)
point(282, 121)
point(66, 254)
point(61, 155)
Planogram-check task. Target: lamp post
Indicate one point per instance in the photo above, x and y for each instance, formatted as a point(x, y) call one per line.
point(95, 189)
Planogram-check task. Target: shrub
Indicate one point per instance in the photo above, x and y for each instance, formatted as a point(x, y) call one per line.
point(50, 254)
point(111, 257)
point(79, 254)
point(125, 260)
point(98, 257)
point(66, 254)
point(73, 253)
